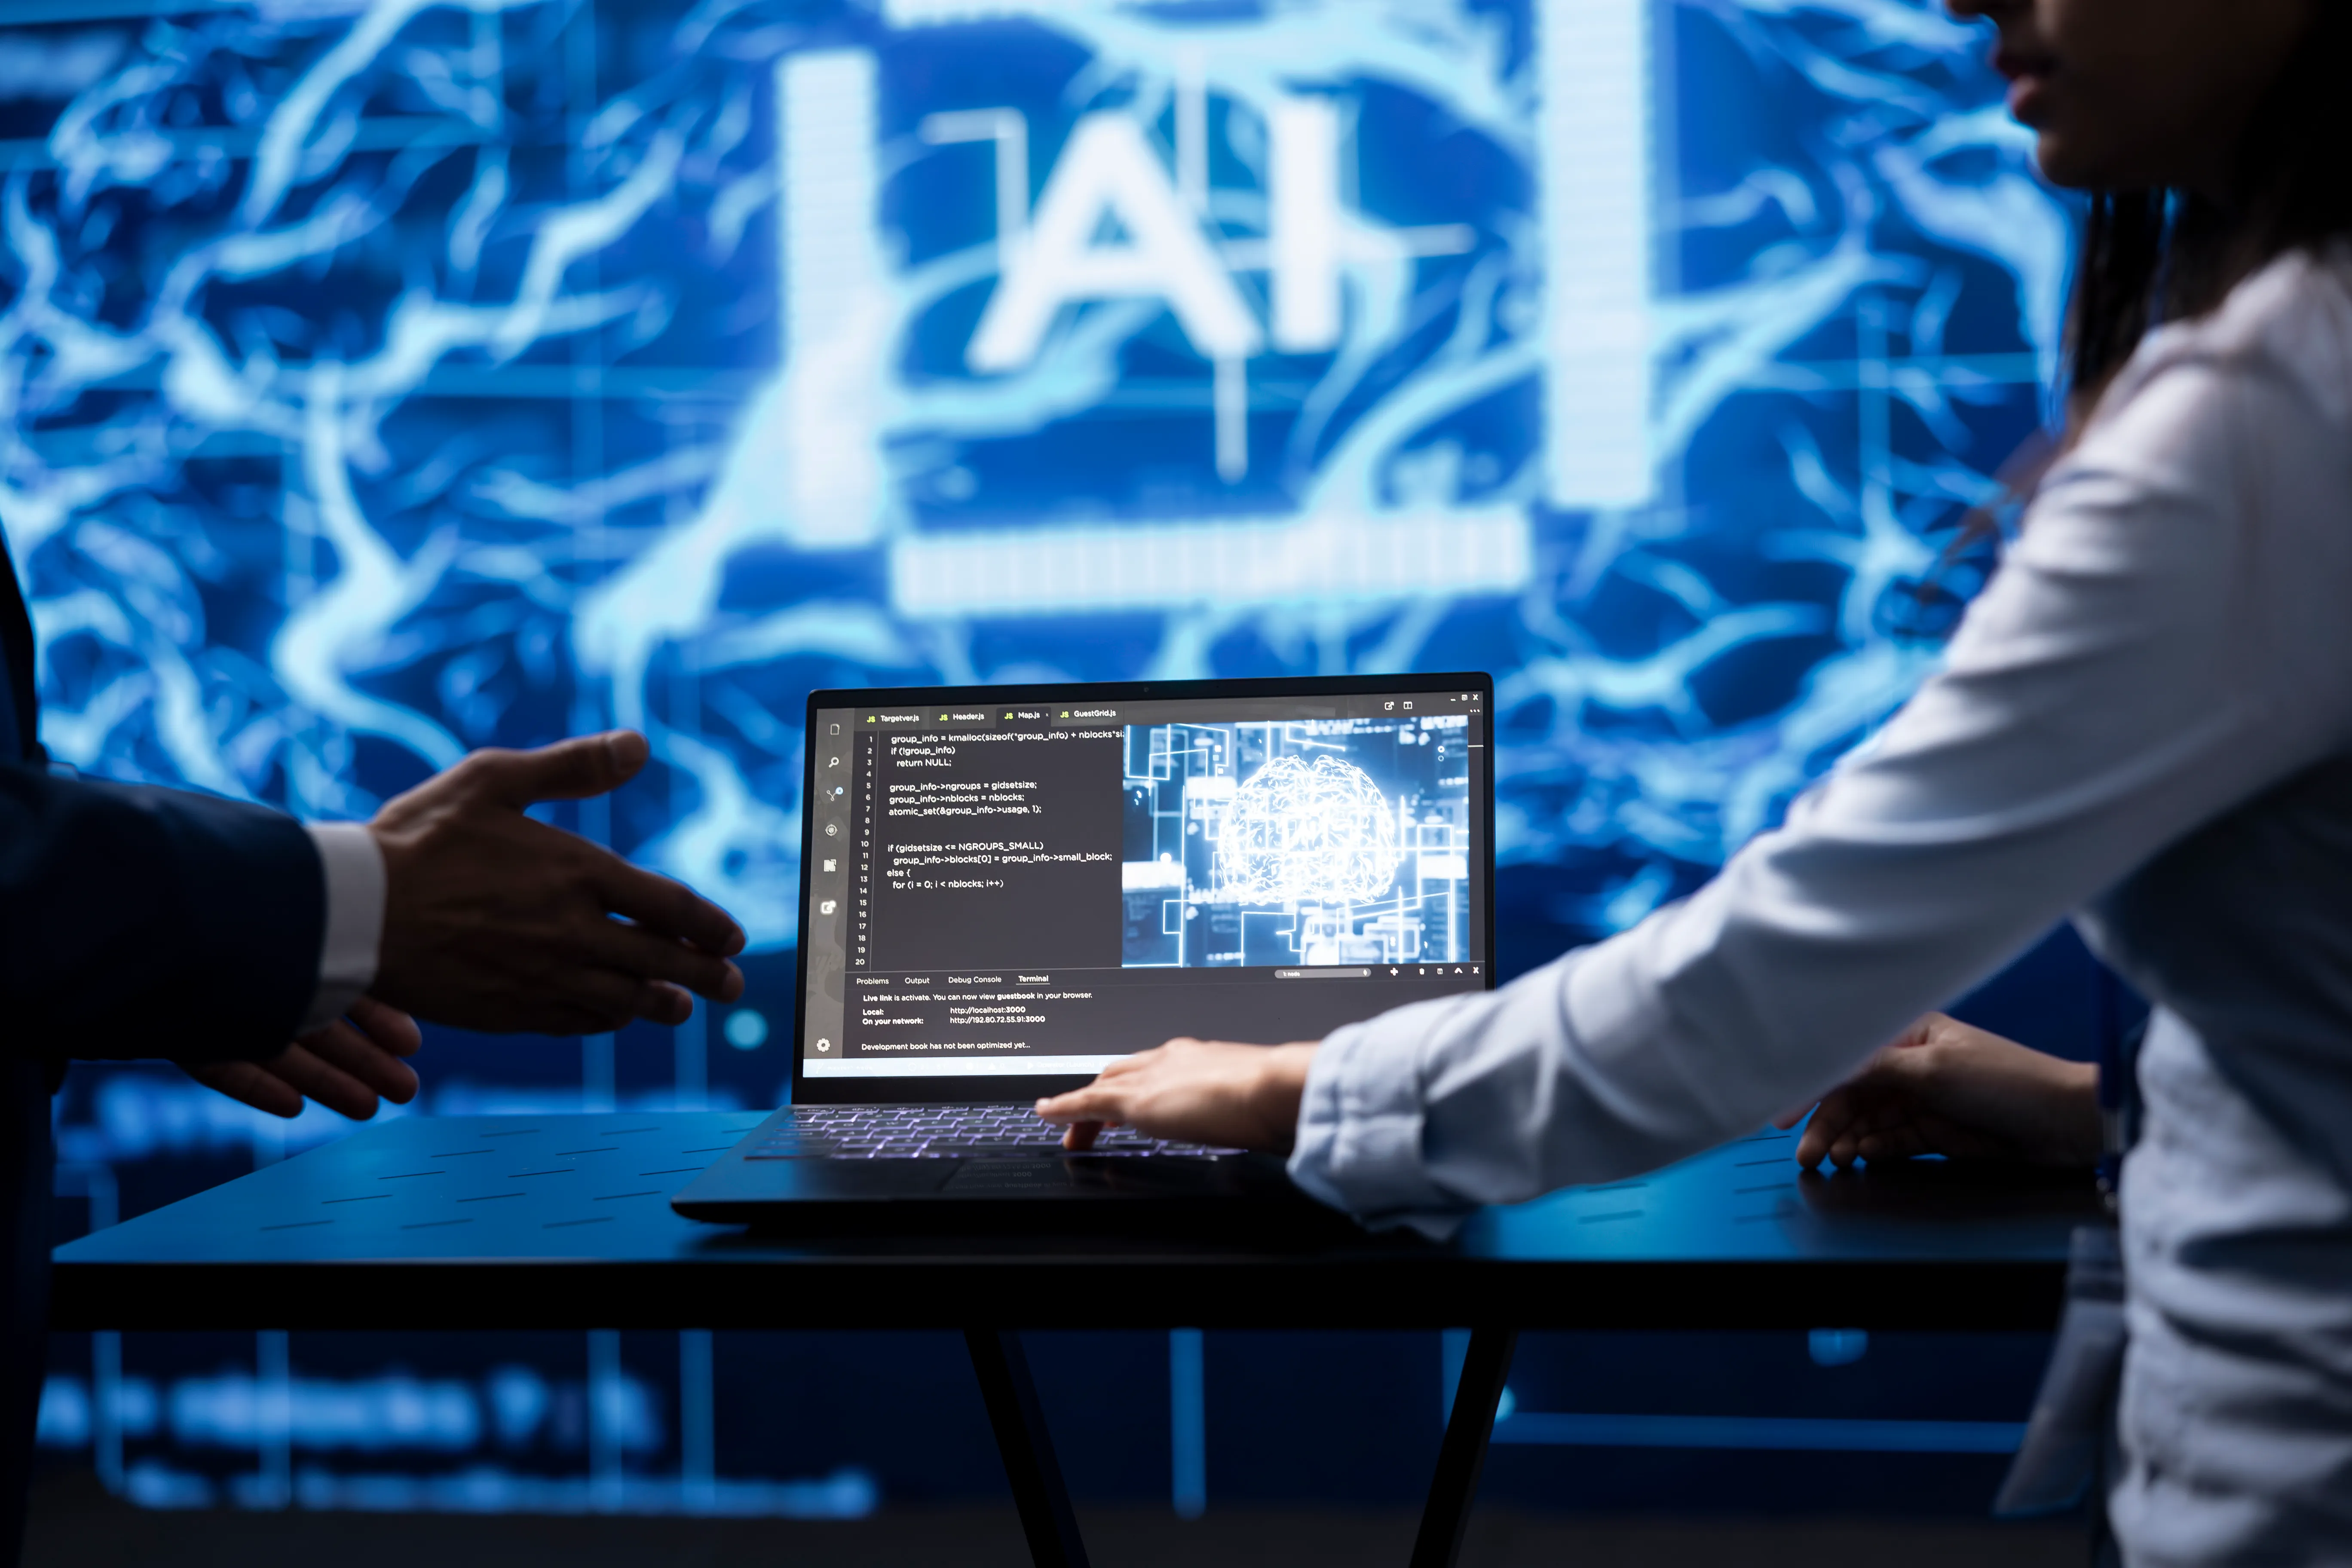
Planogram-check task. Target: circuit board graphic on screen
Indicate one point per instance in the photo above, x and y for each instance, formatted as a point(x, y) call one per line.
point(1341, 841)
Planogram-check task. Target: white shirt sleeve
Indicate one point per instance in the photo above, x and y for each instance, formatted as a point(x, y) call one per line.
point(2166, 639)
point(353, 867)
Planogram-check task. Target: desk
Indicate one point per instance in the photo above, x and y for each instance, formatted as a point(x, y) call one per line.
point(563, 1222)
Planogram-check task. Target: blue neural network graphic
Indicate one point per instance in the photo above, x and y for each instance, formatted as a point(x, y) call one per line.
point(382, 380)
point(1322, 841)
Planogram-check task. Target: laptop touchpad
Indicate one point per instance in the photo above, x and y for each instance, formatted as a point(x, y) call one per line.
point(859, 1178)
point(1021, 1177)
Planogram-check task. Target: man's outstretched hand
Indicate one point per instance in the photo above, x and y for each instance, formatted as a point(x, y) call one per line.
point(345, 1066)
point(494, 921)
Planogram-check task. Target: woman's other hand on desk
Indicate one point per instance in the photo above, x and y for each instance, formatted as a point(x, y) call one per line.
point(1195, 1091)
point(1947, 1087)
point(350, 1065)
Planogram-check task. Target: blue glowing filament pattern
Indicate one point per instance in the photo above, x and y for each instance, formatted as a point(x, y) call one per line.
point(387, 383)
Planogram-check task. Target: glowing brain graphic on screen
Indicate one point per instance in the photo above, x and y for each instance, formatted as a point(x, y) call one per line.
point(1317, 833)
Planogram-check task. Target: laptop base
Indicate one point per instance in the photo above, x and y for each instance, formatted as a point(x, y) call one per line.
point(1169, 1196)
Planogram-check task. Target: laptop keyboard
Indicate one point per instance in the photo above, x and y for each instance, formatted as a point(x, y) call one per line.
point(939, 1132)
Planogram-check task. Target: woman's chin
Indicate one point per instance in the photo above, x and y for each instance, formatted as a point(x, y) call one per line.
point(2075, 162)
point(2064, 163)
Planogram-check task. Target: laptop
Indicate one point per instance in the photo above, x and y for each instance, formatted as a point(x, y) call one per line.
point(1004, 890)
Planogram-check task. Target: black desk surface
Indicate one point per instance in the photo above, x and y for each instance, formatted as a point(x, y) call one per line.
point(563, 1222)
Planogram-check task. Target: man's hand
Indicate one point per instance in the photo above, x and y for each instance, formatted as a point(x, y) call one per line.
point(1945, 1087)
point(344, 1067)
point(496, 922)
point(1197, 1091)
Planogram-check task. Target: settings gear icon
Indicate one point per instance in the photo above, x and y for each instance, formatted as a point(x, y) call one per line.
point(1319, 833)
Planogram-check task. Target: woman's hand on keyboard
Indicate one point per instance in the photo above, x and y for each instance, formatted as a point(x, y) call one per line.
point(1194, 1091)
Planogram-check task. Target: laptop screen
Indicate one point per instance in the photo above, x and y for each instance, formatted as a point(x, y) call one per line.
point(1003, 887)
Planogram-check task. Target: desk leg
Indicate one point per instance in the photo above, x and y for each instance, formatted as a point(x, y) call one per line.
point(1464, 1453)
point(1027, 1451)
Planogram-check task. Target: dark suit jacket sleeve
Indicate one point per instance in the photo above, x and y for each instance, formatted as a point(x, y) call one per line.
point(138, 921)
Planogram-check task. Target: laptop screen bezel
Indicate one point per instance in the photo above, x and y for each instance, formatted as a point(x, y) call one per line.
point(951, 1089)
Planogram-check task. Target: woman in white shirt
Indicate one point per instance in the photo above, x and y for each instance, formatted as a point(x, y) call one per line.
point(2145, 721)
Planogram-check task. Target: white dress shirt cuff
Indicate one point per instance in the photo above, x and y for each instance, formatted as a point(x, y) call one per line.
point(353, 867)
point(1360, 1120)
